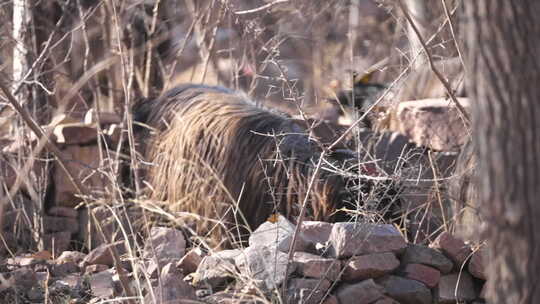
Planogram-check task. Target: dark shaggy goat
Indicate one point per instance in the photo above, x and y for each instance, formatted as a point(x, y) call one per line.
point(217, 155)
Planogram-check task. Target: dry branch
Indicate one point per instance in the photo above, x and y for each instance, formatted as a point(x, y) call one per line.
point(432, 65)
point(261, 8)
point(41, 135)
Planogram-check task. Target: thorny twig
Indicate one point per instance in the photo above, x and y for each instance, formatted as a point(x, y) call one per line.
point(445, 83)
point(383, 95)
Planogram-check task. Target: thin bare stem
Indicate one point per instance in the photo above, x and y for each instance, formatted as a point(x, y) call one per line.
point(445, 83)
point(149, 50)
point(79, 187)
point(261, 8)
point(301, 218)
point(452, 31)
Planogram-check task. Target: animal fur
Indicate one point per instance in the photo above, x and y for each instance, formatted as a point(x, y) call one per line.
point(217, 155)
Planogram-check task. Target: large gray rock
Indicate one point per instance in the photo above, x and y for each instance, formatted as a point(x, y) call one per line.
point(267, 265)
point(406, 291)
point(349, 239)
point(418, 254)
point(368, 266)
point(364, 292)
point(217, 269)
point(278, 234)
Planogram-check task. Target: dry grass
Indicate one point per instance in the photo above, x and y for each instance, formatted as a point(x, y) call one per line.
point(287, 54)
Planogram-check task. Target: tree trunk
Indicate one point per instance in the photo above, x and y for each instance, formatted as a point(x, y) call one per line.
point(21, 22)
point(503, 39)
point(418, 11)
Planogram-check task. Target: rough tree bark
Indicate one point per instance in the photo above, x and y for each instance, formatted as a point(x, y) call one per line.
point(503, 39)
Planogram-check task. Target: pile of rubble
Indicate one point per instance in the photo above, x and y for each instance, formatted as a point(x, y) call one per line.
point(84, 143)
point(330, 263)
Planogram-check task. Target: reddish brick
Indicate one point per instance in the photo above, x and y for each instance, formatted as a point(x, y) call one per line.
point(434, 123)
point(350, 239)
point(308, 291)
point(452, 247)
point(418, 254)
point(425, 274)
point(314, 266)
point(369, 266)
point(316, 232)
point(477, 266)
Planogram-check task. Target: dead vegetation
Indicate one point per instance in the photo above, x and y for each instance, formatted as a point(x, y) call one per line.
point(72, 144)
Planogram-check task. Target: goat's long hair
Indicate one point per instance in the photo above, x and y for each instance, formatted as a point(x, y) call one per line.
point(217, 155)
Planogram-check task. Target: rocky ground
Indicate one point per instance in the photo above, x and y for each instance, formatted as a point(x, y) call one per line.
point(330, 263)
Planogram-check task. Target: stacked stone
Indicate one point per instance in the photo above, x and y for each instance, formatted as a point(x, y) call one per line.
point(348, 263)
point(77, 139)
point(331, 263)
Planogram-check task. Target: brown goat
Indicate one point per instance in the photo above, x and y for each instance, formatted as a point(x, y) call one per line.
point(218, 156)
